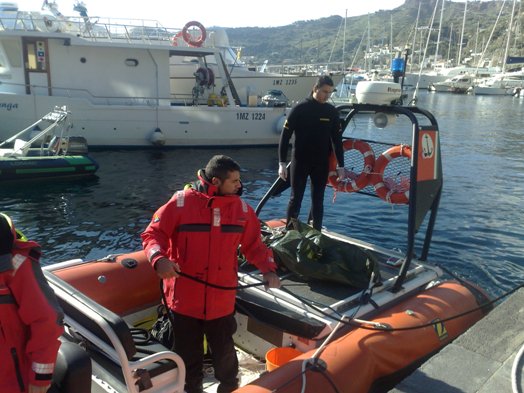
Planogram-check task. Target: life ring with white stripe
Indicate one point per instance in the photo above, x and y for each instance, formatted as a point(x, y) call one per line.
point(199, 41)
point(353, 182)
point(390, 191)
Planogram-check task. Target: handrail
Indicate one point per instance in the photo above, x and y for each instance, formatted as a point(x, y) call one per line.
point(115, 351)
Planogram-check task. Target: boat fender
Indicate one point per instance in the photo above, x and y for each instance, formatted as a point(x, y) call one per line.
point(353, 181)
point(280, 124)
point(158, 138)
point(189, 39)
point(387, 189)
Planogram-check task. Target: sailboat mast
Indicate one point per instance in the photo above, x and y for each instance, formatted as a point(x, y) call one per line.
point(344, 44)
point(462, 32)
point(509, 37)
point(415, 42)
point(439, 30)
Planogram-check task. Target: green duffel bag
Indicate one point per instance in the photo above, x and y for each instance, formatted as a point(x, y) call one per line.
point(313, 255)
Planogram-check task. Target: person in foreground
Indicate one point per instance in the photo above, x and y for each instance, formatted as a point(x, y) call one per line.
point(317, 130)
point(30, 317)
point(192, 243)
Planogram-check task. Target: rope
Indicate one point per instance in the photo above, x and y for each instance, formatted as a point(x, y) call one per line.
point(517, 387)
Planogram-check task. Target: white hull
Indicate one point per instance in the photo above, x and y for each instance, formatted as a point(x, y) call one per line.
point(133, 126)
point(250, 83)
point(493, 91)
point(120, 93)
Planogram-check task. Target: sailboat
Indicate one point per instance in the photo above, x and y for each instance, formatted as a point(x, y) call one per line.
point(503, 83)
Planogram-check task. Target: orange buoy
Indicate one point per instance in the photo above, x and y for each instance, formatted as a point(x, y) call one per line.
point(387, 191)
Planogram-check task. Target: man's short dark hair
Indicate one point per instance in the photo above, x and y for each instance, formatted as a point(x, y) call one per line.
point(219, 166)
point(324, 80)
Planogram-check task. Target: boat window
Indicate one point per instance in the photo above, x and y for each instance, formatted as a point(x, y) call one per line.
point(9, 55)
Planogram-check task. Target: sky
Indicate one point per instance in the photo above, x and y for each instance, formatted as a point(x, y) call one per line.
point(224, 13)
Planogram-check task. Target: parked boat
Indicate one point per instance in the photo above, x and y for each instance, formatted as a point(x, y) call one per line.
point(56, 155)
point(250, 83)
point(424, 79)
point(120, 85)
point(507, 84)
point(459, 84)
point(351, 312)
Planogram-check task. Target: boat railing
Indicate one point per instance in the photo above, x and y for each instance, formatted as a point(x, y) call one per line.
point(92, 28)
point(108, 332)
point(56, 119)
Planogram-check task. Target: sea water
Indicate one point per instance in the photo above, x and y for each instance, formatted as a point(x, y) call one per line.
point(478, 234)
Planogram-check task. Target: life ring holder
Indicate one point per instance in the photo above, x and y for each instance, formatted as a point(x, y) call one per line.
point(353, 182)
point(189, 39)
point(382, 189)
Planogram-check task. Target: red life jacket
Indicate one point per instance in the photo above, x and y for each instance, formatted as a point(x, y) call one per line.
point(201, 232)
point(30, 322)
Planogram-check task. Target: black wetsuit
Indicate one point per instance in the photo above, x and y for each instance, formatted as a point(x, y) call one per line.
point(317, 132)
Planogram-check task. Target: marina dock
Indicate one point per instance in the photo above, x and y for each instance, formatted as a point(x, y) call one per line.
point(480, 360)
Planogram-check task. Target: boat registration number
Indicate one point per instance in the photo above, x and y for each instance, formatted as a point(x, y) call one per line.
point(251, 116)
point(285, 82)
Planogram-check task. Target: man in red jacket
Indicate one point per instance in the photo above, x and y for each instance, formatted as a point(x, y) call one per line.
point(30, 317)
point(197, 232)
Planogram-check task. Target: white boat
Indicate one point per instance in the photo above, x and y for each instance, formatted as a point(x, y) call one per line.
point(424, 79)
point(250, 83)
point(508, 84)
point(459, 84)
point(117, 83)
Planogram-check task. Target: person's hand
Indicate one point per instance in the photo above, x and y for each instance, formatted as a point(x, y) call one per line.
point(166, 268)
point(38, 389)
point(341, 173)
point(282, 170)
point(272, 279)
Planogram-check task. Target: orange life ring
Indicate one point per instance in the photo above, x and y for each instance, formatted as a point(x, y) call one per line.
point(387, 192)
point(189, 39)
point(353, 181)
point(176, 37)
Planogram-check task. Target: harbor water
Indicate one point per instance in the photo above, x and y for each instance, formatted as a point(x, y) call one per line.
point(479, 233)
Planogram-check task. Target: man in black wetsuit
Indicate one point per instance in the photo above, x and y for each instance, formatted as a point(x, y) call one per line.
point(316, 125)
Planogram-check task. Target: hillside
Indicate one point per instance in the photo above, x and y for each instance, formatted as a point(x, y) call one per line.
point(321, 40)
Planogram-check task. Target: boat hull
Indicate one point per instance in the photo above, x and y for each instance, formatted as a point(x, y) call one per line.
point(358, 360)
point(135, 125)
point(29, 168)
point(370, 360)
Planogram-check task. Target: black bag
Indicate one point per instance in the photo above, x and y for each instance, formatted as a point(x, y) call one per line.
point(162, 330)
point(313, 255)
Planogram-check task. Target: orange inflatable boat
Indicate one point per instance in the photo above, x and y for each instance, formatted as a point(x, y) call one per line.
point(362, 316)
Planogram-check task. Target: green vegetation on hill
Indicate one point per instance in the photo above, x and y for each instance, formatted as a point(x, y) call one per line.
point(321, 40)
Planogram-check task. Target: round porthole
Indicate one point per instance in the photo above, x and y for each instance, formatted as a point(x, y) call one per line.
point(83, 60)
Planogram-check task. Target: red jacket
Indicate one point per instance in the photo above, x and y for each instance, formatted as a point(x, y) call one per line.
point(201, 232)
point(30, 322)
